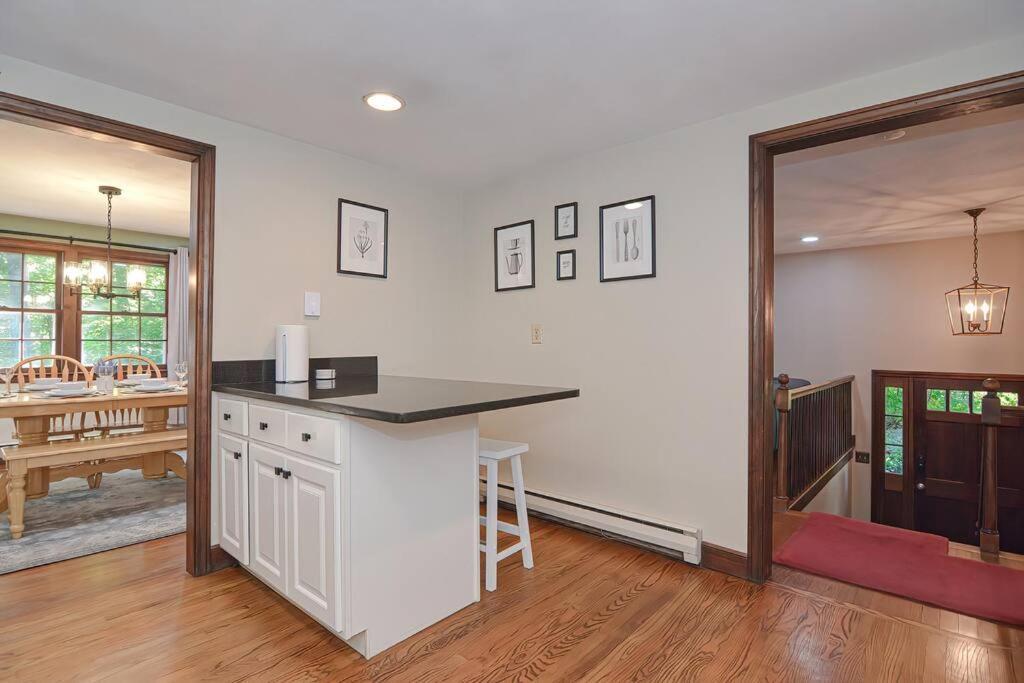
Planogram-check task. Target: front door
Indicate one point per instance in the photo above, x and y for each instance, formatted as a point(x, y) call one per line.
point(947, 461)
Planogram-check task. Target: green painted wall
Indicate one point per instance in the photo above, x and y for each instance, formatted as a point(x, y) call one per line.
point(64, 229)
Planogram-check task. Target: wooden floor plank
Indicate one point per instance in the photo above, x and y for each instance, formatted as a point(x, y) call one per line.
point(591, 609)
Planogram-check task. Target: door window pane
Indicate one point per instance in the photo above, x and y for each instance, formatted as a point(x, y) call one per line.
point(937, 399)
point(10, 294)
point(894, 401)
point(976, 399)
point(10, 265)
point(40, 326)
point(893, 430)
point(1008, 398)
point(154, 351)
point(93, 351)
point(41, 347)
point(40, 295)
point(9, 353)
point(40, 268)
point(10, 325)
point(894, 459)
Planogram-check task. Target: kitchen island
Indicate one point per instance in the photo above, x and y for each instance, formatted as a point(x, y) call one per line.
point(357, 499)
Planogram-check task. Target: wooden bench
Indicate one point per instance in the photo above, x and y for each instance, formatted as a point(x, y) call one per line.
point(150, 452)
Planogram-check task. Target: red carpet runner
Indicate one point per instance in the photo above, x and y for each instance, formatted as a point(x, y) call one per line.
point(906, 563)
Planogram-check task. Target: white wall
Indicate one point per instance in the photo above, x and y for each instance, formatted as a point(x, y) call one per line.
point(275, 234)
point(851, 311)
point(661, 426)
point(834, 498)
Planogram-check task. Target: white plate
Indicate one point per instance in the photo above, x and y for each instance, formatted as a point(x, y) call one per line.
point(153, 390)
point(40, 387)
point(69, 393)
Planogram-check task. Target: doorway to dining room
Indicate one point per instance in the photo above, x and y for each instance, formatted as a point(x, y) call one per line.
point(105, 272)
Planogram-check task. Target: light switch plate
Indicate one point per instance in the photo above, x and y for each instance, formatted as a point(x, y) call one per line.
point(311, 304)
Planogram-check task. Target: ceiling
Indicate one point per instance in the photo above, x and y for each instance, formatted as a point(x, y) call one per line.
point(493, 88)
point(52, 175)
point(872, 191)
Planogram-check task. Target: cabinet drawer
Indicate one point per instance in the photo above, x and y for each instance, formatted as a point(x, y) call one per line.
point(268, 424)
point(232, 416)
point(315, 436)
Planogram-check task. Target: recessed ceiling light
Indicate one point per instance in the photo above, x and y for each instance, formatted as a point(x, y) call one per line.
point(893, 135)
point(634, 205)
point(809, 239)
point(384, 101)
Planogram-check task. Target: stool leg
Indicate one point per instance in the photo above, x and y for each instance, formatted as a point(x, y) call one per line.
point(522, 518)
point(491, 543)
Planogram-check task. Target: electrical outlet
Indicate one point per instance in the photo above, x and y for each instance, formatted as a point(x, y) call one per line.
point(536, 334)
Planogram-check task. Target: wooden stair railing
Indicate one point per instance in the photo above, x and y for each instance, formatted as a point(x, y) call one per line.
point(993, 415)
point(815, 437)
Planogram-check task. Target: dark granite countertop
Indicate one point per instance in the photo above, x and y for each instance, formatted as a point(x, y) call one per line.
point(398, 399)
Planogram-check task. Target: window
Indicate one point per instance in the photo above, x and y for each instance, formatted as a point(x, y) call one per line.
point(29, 304)
point(893, 440)
point(937, 399)
point(122, 325)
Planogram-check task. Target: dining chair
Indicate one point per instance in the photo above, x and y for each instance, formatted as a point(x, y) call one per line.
point(65, 368)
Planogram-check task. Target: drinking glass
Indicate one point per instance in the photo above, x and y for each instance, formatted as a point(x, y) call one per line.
point(105, 378)
point(181, 371)
point(6, 374)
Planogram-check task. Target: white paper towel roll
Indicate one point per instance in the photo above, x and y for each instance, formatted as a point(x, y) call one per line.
point(292, 346)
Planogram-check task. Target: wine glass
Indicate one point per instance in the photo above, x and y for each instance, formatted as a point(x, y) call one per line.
point(181, 371)
point(6, 374)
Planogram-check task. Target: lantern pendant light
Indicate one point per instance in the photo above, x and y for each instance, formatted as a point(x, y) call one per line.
point(977, 308)
point(97, 276)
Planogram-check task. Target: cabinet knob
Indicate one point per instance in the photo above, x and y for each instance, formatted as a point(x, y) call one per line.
point(278, 471)
point(263, 426)
point(227, 416)
point(286, 474)
point(238, 456)
point(306, 436)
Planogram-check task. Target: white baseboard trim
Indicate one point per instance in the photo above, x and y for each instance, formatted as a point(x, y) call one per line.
point(679, 540)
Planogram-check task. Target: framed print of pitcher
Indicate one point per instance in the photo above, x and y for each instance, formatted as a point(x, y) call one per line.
point(513, 257)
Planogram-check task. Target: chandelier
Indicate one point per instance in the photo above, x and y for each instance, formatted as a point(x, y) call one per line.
point(977, 308)
point(97, 276)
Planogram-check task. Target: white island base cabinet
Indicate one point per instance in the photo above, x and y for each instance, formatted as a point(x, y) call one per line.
point(369, 527)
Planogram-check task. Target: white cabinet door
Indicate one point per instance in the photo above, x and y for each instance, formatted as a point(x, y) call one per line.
point(234, 497)
point(267, 496)
point(314, 546)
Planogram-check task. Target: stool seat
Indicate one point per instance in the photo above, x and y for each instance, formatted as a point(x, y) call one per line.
point(492, 452)
point(493, 449)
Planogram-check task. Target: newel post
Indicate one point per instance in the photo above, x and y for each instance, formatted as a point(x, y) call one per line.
point(782, 405)
point(991, 413)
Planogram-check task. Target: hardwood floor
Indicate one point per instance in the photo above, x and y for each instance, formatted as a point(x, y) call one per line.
point(591, 609)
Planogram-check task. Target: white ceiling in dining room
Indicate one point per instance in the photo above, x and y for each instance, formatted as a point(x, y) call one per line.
point(492, 88)
point(872, 191)
point(56, 176)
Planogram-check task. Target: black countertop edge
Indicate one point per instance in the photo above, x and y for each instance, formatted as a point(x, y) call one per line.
point(395, 417)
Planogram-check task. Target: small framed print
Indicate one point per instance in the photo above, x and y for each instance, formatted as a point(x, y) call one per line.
point(627, 240)
point(565, 265)
point(362, 239)
point(514, 266)
point(565, 221)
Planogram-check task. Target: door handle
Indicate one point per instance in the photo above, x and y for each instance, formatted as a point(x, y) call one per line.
point(286, 474)
point(227, 416)
point(306, 436)
point(238, 456)
point(920, 486)
point(263, 426)
point(278, 471)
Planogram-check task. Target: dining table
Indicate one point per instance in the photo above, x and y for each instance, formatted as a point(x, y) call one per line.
point(33, 414)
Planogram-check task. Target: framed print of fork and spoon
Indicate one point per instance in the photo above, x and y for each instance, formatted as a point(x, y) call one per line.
point(627, 239)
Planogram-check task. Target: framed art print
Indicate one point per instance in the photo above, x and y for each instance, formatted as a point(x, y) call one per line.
point(627, 240)
point(565, 265)
point(362, 239)
point(513, 257)
point(566, 225)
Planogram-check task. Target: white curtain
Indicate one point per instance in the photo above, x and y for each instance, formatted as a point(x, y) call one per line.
point(177, 321)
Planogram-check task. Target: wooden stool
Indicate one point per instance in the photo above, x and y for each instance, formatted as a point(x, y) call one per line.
point(492, 452)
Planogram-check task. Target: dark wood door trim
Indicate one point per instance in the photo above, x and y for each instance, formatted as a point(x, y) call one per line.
point(984, 95)
point(199, 556)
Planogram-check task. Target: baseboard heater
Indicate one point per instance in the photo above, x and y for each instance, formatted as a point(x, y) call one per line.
point(679, 542)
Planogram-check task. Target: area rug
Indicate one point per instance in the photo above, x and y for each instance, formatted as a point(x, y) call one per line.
point(74, 520)
point(906, 563)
